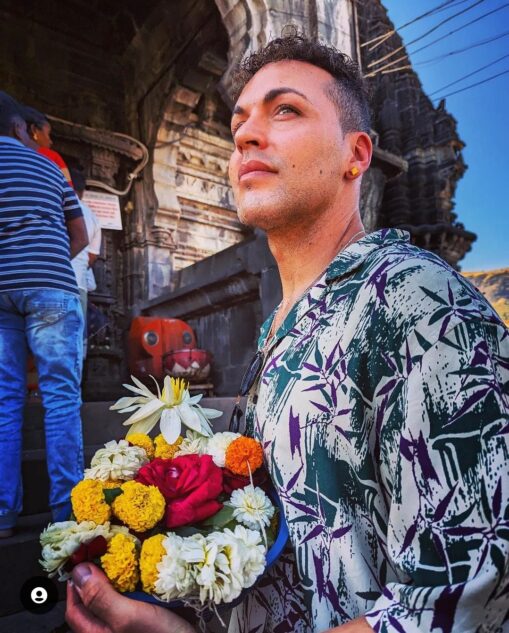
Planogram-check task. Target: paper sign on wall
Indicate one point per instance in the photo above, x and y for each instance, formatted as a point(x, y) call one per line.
point(106, 207)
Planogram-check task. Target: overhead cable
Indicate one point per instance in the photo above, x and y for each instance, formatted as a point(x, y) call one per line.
point(379, 39)
point(484, 42)
point(460, 28)
point(477, 83)
point(417, 39)
point(474, 72)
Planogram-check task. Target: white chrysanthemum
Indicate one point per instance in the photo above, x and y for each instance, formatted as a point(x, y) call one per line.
point(251, 507)
point(253, 553)
point(193, 444)
point(245, 553)
point(218, 444)
point(176, 574)
point(117, 461)
point(60, 540)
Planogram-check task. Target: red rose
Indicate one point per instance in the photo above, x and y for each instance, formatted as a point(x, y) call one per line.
point(190, 485)
point(232, 482)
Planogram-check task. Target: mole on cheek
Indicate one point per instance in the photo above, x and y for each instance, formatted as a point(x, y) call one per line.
point(293, 166)
point(321, 172)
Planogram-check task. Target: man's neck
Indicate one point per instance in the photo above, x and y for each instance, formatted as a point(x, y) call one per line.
point(302, 253)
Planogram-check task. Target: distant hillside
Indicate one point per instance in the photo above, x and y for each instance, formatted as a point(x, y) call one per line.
point(494, 284)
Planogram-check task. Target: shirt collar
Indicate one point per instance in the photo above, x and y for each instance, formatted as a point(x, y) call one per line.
point(9, 140)
point(345, 262)
point(351, 258)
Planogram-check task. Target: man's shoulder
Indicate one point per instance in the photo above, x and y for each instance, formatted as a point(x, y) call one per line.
point(20, 155)
point(415, 290)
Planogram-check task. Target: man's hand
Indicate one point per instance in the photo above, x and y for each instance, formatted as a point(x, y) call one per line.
point(78, 236)
point(93, 606)
point(358, 625)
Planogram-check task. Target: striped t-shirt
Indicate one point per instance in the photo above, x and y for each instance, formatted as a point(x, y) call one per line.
point(35, 203)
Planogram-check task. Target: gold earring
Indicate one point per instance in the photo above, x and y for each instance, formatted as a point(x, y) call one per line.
point(354, 171)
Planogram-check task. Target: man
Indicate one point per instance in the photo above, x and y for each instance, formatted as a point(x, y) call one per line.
point(382, 404)
point(41, 228)
point(83, 262)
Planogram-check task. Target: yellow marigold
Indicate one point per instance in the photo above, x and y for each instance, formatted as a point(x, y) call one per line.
point(165, 450)
point(144, 441)
point(240, 453)
point(152, 552)
point(88, 502)
point(140, 507)
point(120, 563)
point(110, 483)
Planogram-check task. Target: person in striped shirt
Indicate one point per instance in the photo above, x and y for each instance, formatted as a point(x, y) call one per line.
point(41, 229)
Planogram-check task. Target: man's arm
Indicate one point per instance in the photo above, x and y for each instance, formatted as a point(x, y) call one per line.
point(359, 625)
point(78, 237)
point(444, 446)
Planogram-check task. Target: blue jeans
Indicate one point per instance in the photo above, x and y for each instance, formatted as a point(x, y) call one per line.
point(49, 323)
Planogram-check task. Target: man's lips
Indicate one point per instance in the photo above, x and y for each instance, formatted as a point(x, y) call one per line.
point(254, 166)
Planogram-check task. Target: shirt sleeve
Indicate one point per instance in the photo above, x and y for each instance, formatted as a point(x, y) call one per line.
point(70, 202)
point(445, 474)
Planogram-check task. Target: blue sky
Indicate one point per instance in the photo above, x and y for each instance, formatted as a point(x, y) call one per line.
point(482, 195)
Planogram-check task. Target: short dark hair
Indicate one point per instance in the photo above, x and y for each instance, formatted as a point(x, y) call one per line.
point(78, 179)
point(10, 109)
point(348, 90)
point(34, 117)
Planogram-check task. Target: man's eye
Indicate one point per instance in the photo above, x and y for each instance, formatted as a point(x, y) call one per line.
point(285, 109)
point(236, 127)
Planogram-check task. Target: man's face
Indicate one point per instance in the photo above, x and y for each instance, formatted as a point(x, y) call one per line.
point(290, 154)
point(20, 131)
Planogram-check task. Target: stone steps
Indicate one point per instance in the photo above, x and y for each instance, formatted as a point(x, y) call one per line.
point(19, 554)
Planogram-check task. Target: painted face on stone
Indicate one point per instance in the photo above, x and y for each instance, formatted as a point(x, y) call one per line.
point(290, 152)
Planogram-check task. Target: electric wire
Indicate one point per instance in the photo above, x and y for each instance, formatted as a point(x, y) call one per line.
point(442, 56)
point(477, 83)
point(428, 32)
point(379, 39)
point(460, 28)
point(474, 72)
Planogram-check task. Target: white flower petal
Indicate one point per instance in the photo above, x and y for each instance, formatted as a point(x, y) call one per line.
point(211, 413)
point(146, 391)
point(189, 417)
point(170, 425)
point(144, 426)
point(127, 401)
point(144, 411)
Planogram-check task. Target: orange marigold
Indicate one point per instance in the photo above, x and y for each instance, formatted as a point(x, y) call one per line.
point(240, 453)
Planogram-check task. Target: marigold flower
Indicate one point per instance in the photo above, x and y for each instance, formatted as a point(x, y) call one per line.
point(165, 450)
point(143, 441)
point(152, 552)
point(139, 507)
point(120, 563)
point(109, 484)
point(88, 502)
point(244, 454)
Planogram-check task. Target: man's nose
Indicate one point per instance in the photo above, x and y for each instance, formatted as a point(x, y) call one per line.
point(251, 133)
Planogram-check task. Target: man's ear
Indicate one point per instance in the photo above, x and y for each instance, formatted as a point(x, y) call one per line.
point(361, 148)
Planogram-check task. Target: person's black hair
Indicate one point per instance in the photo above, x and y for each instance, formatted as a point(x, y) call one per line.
point(9, 110)
point(78, 179)
point(347, 90)
point(34, 117)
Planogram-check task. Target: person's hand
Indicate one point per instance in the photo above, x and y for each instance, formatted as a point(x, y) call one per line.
point(93, 606)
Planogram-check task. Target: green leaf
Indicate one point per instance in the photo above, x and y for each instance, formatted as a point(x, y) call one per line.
point(220, 519)
point(188, 530)
point(111, 493)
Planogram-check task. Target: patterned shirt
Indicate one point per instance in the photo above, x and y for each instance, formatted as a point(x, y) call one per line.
point(35, 203)
point(383, 409)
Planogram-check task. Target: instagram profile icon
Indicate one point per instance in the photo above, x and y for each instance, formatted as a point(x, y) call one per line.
point(38, 595)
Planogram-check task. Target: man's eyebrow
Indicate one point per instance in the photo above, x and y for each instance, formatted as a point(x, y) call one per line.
point(270, 96)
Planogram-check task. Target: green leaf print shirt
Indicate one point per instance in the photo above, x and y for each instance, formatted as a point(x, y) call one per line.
point(383, 410)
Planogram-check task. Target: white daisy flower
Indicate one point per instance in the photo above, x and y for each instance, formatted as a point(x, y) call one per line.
point(251, 506)
point(217, 446)
point(117, 461)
